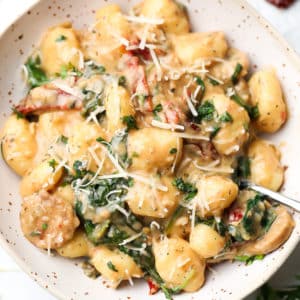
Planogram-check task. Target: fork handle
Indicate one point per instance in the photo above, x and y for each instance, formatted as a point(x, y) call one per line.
point(276, 196)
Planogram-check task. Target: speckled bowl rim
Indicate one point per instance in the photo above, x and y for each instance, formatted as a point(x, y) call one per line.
point(290, 52)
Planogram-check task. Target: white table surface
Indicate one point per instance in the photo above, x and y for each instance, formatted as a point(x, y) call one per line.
point(14, 284)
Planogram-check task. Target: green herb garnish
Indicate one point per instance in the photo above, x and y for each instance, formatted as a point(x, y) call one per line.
point(44, 226)
point(173, 151)
point(206, 111)
point(179, 210)
point(52, 163)
point(213, 81)
point(253, 111)
point(35, 233)
point(237, 71)
point(215, 131)
point(249, 259)
point(36, 75)
point(226, 117)
point(111, 266)
point(200, 82)
point(63, 139)
point(61, 38)
point(158, 108)
point(130, 122)
point(79, 169)
point(18, 113)
point(187, 188)
point(122, 81)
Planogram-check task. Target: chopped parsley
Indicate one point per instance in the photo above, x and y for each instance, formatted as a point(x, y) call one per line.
point(63, 139)
point(122, 81)
point(249, 259)
point(200, 82)
point(178, 212)
point(35, 233)
point(253, 111)
point(66, 69)
point(52, 163)
point(79, 169)
point(226, 118)
point(237, 71)
point(18, 113)
point(61, 38)
point(44, 226)
point(173, 151)
point(36, 75)
point(111, 266)
point(158, 108)
point(213, 81)
point(215, 131)
point(130, 122)
point(187, 188)
point(205, 111)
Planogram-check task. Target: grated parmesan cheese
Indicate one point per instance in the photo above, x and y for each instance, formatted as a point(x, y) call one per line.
point(168, 126)
point(156, 63)
point(144, 20)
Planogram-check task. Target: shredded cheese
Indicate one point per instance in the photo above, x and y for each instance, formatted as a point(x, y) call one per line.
point(211, 169)
point(192, 136)
point(215, 79)
point(177, 155)
point(132, 238)
point(189, 103)
point(156, 63)
point(168, 126)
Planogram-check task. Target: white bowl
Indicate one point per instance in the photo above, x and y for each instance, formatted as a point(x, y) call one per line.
point(246, 30)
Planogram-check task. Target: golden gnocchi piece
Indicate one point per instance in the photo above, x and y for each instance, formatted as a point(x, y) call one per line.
point(102, 44)
point(146, 200)
point(47, 221)
point(114, 265)
point(233, 134)
point(215, 193)
point(66, 192)
point(18, 144)
point(78, 246)
point(60, 47)
point(84, 147)
point(191, 48)
point(150, 149)
point(267, 94)
point(265, 167)
point(206, 241)
point(117, 106)
point(225, 69)
point(44, 176)
point(173, 14)
point(278, 233)
point(178, 264)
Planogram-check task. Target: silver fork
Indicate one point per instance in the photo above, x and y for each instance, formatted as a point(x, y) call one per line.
point(273, 195)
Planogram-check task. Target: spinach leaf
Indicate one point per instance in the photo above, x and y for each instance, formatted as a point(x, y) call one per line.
point(187, 188)
point(237, 71)
point(36, 75)
point(249, 259)
point(130, 122)
point(206, 111)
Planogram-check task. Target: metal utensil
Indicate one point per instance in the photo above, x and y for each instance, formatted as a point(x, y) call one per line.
point(273, 195)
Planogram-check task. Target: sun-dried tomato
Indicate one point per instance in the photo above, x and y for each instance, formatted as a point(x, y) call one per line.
point(281, 3)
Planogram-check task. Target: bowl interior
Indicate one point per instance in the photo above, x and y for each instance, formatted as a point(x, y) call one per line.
point(245, 30)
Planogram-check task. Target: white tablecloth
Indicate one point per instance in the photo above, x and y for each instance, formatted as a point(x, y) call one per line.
point(14, 284)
